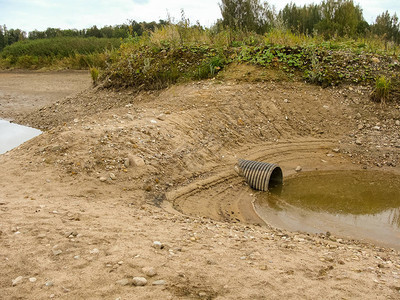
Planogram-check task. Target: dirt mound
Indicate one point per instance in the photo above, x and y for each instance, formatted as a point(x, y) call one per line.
point(120, 183)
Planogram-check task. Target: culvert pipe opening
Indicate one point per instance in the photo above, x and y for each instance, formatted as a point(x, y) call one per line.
point(260, 176)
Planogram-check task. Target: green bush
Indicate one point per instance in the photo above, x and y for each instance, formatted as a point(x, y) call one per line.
point(382, 89)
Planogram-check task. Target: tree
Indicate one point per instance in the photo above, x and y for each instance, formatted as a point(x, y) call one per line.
point(2, 38)
point(244, 15)
point(340, 17)
point(387, 26)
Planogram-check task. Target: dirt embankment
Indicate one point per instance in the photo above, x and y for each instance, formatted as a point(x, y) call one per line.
point(121, 182)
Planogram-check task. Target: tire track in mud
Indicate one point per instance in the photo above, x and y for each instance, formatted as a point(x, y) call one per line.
point(224, 196)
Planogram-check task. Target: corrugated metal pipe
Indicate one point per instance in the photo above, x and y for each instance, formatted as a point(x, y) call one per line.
point(260, 175)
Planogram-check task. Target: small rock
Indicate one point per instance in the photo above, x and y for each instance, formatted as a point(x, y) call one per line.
point(336, 150)
point(129, 117)
point(123, 282)
point(127, 162)
point(139, 281)
point(57, 251)
point(376, 128)
point(159, 282)
point(94, 251)
point(397, 122)
point(17, 280)
point(102, 179)
point(298, 169)
point(32, 279)
point(77, 257)
point(161, 117)
point(358, 142)
point(158, 245)
point(136, 161)
point(286, 100)
point(360, 126)
point(112, 176)
point(49, 283)
point(330, 155)
point(202, 294)
point(149, 271)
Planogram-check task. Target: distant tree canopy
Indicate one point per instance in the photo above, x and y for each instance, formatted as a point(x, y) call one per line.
point(10, 36)
point(387, 26)
point(248, 15)
point(329, 18)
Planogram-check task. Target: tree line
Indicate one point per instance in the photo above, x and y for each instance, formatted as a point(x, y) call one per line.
point(330, 18)
point(11, 36)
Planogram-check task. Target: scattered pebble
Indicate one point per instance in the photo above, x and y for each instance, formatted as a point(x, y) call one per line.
point(161, 117)
point(298, 169)
point(158, 245)
point(112, 176)
point(17, 280)
point(136, 161)
point(397, 122)
point(336, 150)
point(358, 142)
point(149, 271)
point(123, 282)
point(159, 282)
point(139, 281)
point(56, 252)
point(127, 162)
point(102, 179)
point(94, 251)
point(49, 283)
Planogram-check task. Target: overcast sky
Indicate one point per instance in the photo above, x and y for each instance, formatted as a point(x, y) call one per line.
point(41, 14)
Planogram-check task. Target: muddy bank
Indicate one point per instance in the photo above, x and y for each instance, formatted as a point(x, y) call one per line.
point(84, 201)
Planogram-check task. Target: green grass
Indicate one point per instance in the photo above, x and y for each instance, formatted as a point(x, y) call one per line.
point(175, 54)
point(64, 52)
point(382, 89)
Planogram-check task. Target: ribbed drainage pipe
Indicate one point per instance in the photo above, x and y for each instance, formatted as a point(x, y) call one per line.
point(260, 175)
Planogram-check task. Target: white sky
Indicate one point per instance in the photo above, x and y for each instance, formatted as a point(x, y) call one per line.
point(41, 14)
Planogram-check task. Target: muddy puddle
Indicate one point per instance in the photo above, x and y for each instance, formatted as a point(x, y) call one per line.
point(13, 135)
point(354, 204)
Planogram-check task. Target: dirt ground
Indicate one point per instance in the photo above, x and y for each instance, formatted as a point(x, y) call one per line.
point(124, 184)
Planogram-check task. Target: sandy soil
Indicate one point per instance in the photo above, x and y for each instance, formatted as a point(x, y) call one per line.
point(124, 184)
point(22, 92)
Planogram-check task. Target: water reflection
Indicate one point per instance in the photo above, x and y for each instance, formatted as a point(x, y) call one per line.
point(12, 135)
point(361, 203)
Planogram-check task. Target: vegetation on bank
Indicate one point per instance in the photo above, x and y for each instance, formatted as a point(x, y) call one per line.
point(177, 53)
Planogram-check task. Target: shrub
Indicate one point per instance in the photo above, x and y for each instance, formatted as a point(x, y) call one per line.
point(381, 90)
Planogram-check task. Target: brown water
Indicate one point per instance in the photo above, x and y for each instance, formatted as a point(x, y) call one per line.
point(355, 204)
